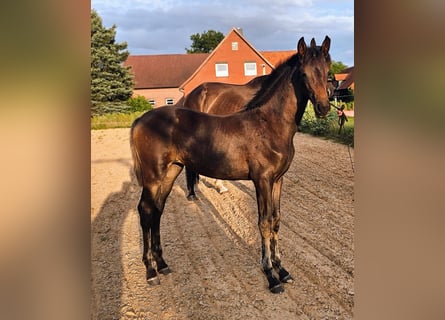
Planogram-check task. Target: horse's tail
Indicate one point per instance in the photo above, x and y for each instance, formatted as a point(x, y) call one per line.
point(135, 154)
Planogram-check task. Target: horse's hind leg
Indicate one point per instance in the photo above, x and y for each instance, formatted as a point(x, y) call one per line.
point(150, 209)
point(146, 209)
point(192, 179)
point(162, 194)
point(156, 248)
point(220, 186)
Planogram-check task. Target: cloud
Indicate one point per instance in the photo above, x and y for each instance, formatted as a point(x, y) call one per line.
point(156, 27)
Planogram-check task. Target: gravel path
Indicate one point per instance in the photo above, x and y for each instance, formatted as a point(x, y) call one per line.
point(212, 245)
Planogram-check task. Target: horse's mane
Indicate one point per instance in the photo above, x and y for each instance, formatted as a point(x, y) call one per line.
point(257, 80)
point(272, 83)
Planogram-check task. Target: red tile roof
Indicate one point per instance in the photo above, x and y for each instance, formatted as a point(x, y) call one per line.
point(276, 57)
point(165, 70)
point(172, 70)
point(348, 81)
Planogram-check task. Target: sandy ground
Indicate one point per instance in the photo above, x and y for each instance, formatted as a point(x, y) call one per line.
point(212, 245)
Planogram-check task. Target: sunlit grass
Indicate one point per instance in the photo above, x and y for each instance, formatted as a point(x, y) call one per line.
point(328, 127)
point(114, 120)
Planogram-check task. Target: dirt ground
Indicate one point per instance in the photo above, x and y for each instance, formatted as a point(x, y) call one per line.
point(212, 245)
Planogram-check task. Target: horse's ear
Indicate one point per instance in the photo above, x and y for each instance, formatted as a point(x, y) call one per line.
point(301, 47)
point(326, 45)
point(313, 43)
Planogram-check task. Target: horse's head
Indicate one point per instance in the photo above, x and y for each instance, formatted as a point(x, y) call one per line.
point(315, 63)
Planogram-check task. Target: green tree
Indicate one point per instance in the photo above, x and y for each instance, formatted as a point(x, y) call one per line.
point(110, 80)
point(205, 42)
point(337, 67)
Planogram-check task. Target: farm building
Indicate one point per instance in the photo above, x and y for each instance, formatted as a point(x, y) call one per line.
point(165, 79)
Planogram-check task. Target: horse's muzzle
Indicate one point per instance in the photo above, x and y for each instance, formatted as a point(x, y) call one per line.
point(322, 109)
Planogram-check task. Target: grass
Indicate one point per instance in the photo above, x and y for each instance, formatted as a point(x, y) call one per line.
point(328, 127)
point(346, 136)
point(114, 120)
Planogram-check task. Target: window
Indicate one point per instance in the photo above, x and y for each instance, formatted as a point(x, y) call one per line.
point(250, 69)
point(169, 101)
point(222, 69)
point(152, 102)
point(234, 46)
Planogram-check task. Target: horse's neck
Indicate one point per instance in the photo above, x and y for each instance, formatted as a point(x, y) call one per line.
point(284, 105)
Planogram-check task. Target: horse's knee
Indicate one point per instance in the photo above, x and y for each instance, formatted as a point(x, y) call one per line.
point(276, 225)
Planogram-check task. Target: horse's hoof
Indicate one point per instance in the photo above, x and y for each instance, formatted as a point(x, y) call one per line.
point(277, 289)
point(285, 276)
point(222, 190)
point(287, 279)
point(191, 197)
point(165, 271)
point(153, 281)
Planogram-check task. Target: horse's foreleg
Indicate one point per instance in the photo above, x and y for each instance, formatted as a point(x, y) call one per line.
point(275, 252)
point(265, 221)
point(274, 284)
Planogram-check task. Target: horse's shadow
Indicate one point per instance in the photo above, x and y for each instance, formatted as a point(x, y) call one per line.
point(106, 254)
point(205, 202)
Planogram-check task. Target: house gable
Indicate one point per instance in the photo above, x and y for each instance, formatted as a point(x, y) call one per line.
point(234, 51)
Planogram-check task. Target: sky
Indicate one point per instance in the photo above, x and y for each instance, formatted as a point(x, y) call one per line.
point(165, 26)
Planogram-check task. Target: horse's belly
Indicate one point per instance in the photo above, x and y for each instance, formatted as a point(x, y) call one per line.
point(221, 168)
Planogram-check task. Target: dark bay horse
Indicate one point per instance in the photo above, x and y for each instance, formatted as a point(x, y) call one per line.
point(255, 144)
point(218, 98)
point(225, 98)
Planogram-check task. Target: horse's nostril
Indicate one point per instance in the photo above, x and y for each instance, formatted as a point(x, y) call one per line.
point(321, 110)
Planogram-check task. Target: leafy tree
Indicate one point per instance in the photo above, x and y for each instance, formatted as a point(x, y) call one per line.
point(337, 67)
point(205, 42)
point(139, 103)
point(110, 80)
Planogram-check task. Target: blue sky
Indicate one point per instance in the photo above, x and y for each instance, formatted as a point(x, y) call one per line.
point(165, 26)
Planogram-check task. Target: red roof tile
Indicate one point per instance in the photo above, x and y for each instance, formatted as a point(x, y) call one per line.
point(348, 81)
point(276, 57)
point(165, 70)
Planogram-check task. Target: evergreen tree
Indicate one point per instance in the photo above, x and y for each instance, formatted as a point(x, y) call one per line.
point(205, 42)
point(110, 80)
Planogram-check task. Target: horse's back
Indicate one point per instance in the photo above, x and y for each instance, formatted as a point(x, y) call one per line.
point(203, 96)
point(230, 101)
point(219, 98)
